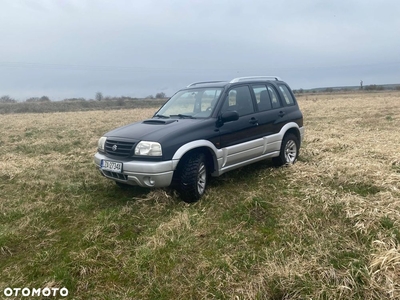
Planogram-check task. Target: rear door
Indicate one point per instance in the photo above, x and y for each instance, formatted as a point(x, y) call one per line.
point(270, 112)
point(269, 109)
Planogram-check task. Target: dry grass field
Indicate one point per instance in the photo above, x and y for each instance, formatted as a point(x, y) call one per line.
point(326, 228)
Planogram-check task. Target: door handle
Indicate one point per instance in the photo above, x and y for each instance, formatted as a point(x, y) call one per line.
point(253, 121)
point(281, 113)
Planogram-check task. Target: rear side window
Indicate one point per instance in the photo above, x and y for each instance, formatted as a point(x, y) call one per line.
point(287, 95)
point(274, 97)
point(262, 97)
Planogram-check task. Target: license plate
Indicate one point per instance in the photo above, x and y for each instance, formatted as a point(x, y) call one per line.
point(112, 166)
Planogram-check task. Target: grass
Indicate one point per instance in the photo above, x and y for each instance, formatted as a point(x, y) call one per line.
point(325, 228)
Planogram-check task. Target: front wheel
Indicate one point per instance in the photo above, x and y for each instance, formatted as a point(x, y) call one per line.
point(193, 179)
point(289, 151)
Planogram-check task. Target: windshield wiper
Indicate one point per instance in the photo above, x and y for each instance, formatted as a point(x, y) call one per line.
point(162, 116)
point(183, 116)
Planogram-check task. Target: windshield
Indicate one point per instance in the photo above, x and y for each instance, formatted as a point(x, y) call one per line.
point(193, 103)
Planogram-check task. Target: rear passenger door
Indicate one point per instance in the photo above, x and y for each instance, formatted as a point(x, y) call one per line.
point(269, 108)
point(269, 115)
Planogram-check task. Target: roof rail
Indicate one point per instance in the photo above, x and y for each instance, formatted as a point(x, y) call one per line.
point(254, 78)
point(200, 82)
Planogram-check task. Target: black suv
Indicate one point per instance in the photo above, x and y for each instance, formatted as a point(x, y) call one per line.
point(207, 128)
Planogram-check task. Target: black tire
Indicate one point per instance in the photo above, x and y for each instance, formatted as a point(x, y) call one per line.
point(193, 178)
point(289, 151)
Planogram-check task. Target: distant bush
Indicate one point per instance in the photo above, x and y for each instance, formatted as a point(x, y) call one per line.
point(44, 99)
point(32, 99)
point(7, 99)
point(38, 100)
point(99, 96)
point(299, 91)
point(161, 95)
point(74, 100)
point(374, 87)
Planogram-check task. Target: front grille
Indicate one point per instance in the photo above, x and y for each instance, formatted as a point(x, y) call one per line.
point(115, 175)
point(119, 148)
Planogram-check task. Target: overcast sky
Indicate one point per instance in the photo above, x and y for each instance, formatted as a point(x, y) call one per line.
point(75, 48)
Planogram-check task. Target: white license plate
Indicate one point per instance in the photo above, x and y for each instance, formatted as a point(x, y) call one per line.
point(112, 166)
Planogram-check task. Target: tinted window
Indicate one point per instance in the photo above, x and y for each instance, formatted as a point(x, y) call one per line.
point(263, 98)
point(274, 97)
point(239, 99)
point(286, 94)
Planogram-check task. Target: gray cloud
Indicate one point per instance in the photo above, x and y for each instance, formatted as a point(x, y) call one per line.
point(74, 48)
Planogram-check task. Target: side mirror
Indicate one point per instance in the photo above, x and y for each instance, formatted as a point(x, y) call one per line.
point(229, 116)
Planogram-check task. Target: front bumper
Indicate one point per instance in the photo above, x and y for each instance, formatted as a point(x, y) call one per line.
point(301, 134)
point(142, 173)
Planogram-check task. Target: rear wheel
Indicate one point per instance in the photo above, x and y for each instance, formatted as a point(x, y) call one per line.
point(193, 178)
point(289, 151)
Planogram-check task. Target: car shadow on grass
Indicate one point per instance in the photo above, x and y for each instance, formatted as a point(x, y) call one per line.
point(246, 173)
point(107, 193)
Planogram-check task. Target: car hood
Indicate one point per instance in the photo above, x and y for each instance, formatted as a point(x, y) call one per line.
point(153, 129)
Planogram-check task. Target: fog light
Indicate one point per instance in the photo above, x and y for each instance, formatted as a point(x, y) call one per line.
point(149, 181)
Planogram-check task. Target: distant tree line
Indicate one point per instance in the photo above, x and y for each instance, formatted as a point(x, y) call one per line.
point(44, 104)
point(98, 97)
point(7, 99)
point(371, 87)
point(374, 87)
point(38, 100)
point(158, 96)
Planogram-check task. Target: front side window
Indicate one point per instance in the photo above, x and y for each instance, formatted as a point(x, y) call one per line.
point(239, 99)
point(193, 103)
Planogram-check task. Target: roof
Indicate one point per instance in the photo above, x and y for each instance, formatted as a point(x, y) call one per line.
point(222, 83)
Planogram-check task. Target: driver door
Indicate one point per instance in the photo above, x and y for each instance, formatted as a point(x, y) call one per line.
point(237, 137)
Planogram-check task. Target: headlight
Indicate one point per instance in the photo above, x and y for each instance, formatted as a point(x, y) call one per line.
point(101, 143)
point(148, 148)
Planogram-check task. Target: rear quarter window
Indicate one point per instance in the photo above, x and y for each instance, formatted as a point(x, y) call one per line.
point(286, 95)
point(274, 97)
